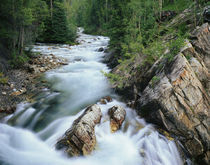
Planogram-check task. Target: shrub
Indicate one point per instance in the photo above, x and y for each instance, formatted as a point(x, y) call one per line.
point(18, 60)
point(3, 80)
point(174, 48)
point(155, 80)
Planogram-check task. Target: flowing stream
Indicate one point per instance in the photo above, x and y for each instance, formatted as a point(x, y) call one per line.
point(28, 137)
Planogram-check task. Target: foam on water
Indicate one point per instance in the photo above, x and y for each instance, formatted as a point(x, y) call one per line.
point(36, 127)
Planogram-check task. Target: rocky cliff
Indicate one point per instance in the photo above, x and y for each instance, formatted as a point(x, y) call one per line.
point(175, 96)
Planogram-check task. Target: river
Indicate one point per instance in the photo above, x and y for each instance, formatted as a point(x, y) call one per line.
point(28, 136)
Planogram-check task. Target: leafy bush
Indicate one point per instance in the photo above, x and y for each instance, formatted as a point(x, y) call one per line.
point(3, 80)
point(155, 80)
point(174, 48)
point(18, 60)
point(115, 79)
point(153, 52)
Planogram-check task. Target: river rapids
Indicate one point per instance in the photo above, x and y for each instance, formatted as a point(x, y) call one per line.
point(28, 137)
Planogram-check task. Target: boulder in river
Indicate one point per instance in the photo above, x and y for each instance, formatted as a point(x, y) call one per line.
point(80, 139)
point(106, 100)
point(117, 116)
point(101, 49)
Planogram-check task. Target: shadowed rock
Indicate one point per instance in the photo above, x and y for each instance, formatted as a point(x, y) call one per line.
point(101, 49)
point(80, 139)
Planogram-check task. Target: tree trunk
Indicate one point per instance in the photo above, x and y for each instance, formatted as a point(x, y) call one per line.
point(51, 8)
point(106, 11)
point(160, 7)
point(22, 40)
point(13, 23)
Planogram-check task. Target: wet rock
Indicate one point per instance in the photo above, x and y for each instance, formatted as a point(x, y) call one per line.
point(19, 92)
point(64, 63)
point(131, 104)
point(80, 139)
point(117, 116)
point(105, 100)
point(101, 49)
point(8, 110)
point(42, 69)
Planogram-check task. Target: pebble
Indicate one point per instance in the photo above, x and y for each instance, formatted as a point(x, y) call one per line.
point(4, 93)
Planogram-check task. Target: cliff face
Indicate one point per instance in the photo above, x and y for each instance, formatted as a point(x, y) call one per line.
point(176, 97)
point(179, 101)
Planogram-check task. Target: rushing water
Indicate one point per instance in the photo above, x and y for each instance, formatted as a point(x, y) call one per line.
point(28, 137)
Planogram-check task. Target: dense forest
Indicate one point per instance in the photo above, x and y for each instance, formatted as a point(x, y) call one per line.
point(25, 21)
point(131, 24)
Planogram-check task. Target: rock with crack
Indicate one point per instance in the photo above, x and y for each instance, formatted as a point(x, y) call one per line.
point(180, 103)
point(80, 139)
point(117, 116)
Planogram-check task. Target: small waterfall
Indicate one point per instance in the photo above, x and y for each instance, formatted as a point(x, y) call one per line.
point(28, 136)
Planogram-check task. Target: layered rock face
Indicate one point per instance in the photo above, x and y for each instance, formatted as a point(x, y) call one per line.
point(179, 98)
point(80, 139)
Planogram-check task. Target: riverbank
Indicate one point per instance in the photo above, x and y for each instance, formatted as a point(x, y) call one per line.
point(23, 84)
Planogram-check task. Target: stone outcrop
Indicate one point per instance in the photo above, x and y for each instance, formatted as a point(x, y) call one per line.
point(179, 98)
point(117, 116)
point(80, 139)
point(174, 95)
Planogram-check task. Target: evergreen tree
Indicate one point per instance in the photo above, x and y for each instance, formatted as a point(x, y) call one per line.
point(57, 26)
point(21, 21)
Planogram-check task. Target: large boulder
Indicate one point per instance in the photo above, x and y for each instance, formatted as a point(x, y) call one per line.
point(177, 97)
point(117, 116)
point(80, 139)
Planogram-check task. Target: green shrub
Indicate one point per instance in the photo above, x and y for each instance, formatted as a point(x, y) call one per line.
point(114, 79)
point(18, 60)
point(155, 80)
point(174, 48)
point(3, 80)
point(153, 52)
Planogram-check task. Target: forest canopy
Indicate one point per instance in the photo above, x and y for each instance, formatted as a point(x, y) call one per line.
point(131, 25)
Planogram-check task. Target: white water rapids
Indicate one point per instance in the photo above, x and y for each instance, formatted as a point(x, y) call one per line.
point(28, 136)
